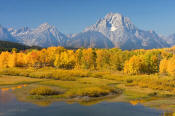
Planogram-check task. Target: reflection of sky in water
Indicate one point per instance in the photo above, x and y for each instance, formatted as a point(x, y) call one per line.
point(9, 106)
point(6, 96)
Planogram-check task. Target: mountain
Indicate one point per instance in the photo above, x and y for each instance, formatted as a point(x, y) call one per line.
point(114, 30)
point(45, 36)
point(170, 39)
point(5, 35)
point(124, 34)
point(89, 39)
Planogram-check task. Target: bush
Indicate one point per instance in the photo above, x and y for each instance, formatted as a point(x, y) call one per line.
point(129, 80)
point(90, 92)
point(152, 94)
point(44, 91)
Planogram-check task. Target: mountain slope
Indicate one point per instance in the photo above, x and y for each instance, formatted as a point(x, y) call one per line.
point(89, 39)
point(170, 39)
point(5, 35)
point(45, 36)
point(123, 33)
point(114, 30)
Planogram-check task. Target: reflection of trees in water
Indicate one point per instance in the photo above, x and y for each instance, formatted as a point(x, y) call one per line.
point(135, 102)
point(168, 114)
point(6, 96)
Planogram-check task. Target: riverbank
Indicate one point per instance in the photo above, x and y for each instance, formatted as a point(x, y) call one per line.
point(90, 87)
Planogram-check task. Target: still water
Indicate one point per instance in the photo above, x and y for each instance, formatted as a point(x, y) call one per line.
point(10, 106)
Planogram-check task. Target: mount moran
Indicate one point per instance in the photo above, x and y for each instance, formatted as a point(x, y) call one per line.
point(114, 30)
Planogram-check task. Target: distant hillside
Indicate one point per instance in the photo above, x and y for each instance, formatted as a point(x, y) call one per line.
point(8, 46)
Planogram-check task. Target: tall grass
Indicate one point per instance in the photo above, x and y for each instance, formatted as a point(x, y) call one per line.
point(155, 82)
point(43, 91)
point(47, 73)
point(91, 92)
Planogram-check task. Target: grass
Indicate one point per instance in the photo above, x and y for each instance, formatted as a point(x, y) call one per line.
point(47, 73)
point(80, 83)
point(77, 85)
point(88, 92)
point(16, 80)
point(85, 78)
point(81, 87)
point(90, 87)
point(44, 91)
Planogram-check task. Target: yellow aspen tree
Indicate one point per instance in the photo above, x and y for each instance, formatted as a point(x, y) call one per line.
point(78, 58)
point(89, 58)
point(135, 65)
point(103, 59)
point(43, 57)
point(32, 59)
point(12, 60)
point(21, 59)
point(51, 54)
point(4, 59)
point(171, 66)
point(57, 62)
point(163, 66)
point(65, 60)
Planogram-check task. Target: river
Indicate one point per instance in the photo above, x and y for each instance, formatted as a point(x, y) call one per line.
point(10, 106)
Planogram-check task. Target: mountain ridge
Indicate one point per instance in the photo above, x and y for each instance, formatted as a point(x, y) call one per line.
point(124, 34)
point(113, 30)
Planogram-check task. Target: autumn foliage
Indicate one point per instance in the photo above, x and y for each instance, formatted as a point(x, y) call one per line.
point(131, 62)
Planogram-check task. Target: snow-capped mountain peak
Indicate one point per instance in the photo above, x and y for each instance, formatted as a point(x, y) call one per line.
point(23, 30)
point(117, 21)
point(113, 30)
point(11, 29)
point(112, 22)
point(124, 34)
point(45, 26)
point(44, 35)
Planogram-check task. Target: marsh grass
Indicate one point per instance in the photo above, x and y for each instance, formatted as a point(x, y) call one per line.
point(90, 87)
point(47, 73)
point(44, 91)
point(90, 92)
point(92, 83)
point(17, 80)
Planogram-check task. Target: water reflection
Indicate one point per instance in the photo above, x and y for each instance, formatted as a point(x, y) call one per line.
point(10, 106)
point(6, 96)
point(135, 102)
point(12, 88)
point(168, 114)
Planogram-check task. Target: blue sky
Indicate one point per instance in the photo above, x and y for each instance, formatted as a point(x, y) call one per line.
point(72, 16)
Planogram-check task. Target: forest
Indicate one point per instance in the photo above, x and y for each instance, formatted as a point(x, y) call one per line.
point(131, 62)
point(8, 46)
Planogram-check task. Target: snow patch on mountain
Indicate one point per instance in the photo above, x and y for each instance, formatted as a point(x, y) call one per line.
point(124, 34)
point(114, 30)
